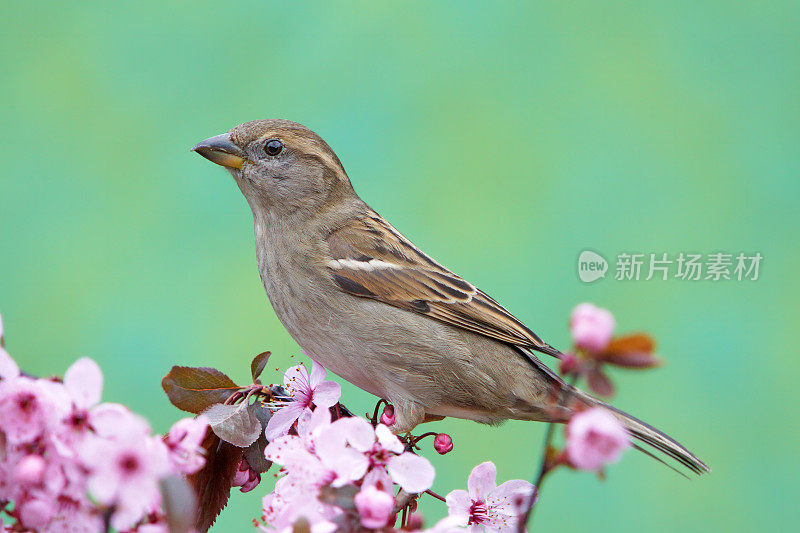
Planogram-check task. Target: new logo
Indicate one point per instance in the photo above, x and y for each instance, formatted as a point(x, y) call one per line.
point(591, 266)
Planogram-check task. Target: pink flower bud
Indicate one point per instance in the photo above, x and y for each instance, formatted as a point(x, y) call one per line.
point(415, 522)
point(591, 327)
point(387, 417)
point(36, 513)
point(252, 482)
point(569, 364)
point(30, 470)
point(595, 438)
point(242, 474)
point(374, 506)
point(442, 443)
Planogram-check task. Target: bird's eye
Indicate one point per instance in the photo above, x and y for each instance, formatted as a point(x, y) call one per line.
point(273, 147)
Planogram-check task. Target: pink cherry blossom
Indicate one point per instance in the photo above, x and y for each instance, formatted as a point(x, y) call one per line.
point(374, 507)
point(591, 327)
point(26, 409)
point(595, 438)
point(290, 501)
point(60, 446)
point(307, 390)
point(319, 453)
point(485, 506)
point(385, 451)
point(125, 471)
point(349, 450)
point(184, 443)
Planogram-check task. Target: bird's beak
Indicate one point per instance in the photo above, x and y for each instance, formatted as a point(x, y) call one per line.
point(221, 150)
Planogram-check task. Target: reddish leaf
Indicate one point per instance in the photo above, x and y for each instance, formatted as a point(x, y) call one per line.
point(599, 382)
point(236, 424)
point(633, 360)
point(195, 389)
point(255, 452)
point(212, 483)
point(637, 342)
point(631, 351)
point(258, 364)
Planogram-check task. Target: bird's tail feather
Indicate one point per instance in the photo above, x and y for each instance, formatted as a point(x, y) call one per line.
point(652, 437)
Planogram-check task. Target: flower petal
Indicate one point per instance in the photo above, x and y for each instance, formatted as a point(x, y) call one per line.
point(117, 421)
point(511, 497)
point(374, 507)
point(349, 465)
point(482, 480)
point(591, 327)
point(8, 367)
point(360, 433)
point(326, 394)
point(84, 381)
point(282, 420)
point(595, 438)
point(285, 450)
point(412, 472)
point(458, 505)
point(388, 440)
point(499, 522)
point(330, 445)
point(450, 524)
point(317, 374)
point(311, 422)
point(378, 478)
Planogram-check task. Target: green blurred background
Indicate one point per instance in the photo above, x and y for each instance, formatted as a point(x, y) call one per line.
point(504, 139)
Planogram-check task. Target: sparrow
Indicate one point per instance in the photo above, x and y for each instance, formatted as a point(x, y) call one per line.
point(362, 300)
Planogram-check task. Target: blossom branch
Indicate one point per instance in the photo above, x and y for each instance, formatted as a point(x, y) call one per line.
point(337, 471)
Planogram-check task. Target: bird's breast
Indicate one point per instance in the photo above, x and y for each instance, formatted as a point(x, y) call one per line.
point(312, 310)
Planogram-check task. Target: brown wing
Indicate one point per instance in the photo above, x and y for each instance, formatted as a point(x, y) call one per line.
point(373, 260)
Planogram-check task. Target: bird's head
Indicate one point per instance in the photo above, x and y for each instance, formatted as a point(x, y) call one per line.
point(282, 167)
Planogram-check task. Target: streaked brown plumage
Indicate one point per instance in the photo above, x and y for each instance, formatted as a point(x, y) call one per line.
point(373, 260)
point(367, 304)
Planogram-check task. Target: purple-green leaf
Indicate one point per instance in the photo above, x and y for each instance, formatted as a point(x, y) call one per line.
point(258, 364)
point(195, 389)
point(236, 424)
point(212, 483)
point(255, 452)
